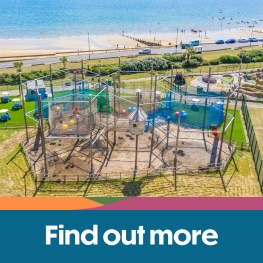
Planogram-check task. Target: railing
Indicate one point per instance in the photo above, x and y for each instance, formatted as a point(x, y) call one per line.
point(257, 157)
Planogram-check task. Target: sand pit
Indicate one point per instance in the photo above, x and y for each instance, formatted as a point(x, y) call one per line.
point(71, 158)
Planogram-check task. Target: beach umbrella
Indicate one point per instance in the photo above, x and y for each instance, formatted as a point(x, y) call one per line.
point(4, 111)
point(16, 99)
point(5, 93)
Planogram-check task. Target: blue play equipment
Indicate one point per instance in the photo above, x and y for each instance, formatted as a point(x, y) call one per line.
point(5, 117)
point(130, 109)
point(5, 99)
point(17, 106)
point(195, 116)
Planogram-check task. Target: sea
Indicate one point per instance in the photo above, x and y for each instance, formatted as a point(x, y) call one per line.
point(59, 18)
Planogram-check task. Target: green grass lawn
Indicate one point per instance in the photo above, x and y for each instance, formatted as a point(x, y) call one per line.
point(17, 118)
point(239, 132)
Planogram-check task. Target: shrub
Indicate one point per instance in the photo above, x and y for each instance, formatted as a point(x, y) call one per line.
point(191, 63)
point(199, 58)
point(215, 61)
point(250, 55)
point(205, 63)
point(227, 59)
point(174, 58)
point(144, 64)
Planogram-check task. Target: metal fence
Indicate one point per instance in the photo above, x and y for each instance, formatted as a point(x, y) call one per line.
point(257, 157)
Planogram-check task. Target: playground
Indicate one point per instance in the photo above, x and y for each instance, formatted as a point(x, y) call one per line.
point(91, 129)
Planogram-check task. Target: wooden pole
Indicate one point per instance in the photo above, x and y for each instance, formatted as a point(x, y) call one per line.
point(119, 81)
point(107, 117)
point(235, 108)
point(51, 81)
point(152, 140)
point(207, 92)
point(168, 130)
point(23, 104)
point(76, 101)
point(177, 139)
point(41, 126)
point(137, 137)
point(99, 74)
point(151, 81)
point(223, 131)
point(114, 112)
point(82, 76)
point(91, 145)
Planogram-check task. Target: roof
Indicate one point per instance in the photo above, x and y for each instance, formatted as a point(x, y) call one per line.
point(137, 115)
point(32, 84)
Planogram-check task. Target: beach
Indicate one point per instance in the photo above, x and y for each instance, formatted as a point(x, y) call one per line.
point(52, 45)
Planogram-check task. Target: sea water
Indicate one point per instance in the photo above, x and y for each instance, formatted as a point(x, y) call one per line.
point(55, 18)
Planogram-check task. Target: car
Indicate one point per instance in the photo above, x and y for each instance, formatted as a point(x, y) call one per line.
point(230, 41)
point(17, 106)
point(243, 40)
point(220, 42)
point(253, 39)
point(145, 51)
point(5, 117)
point(68, 84)
point(191, 44)
point(260, 39)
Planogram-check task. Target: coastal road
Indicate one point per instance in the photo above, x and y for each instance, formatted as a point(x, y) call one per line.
point(124, 53)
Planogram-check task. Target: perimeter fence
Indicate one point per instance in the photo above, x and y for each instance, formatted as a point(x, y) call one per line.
point(255, 149)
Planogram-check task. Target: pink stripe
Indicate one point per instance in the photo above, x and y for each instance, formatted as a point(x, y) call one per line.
point(186, 203)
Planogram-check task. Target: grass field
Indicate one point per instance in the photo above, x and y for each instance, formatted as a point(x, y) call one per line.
point(239, 132)
point(17, 118)
point(16, 179)
point(256, 115)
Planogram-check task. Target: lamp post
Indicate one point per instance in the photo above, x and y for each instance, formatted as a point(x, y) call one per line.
point(176, 40)
point(89, 45)
point(252, 30)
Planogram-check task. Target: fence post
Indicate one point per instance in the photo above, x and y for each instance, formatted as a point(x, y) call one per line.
point(260, 168)
point(257, 159)
point(77, 179)
point(64, 179)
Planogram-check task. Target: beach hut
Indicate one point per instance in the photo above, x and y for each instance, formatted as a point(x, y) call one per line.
point(137, 121)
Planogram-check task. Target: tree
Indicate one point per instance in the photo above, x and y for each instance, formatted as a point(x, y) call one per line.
point(64, 60)
point(18, 65)
point(189, 53)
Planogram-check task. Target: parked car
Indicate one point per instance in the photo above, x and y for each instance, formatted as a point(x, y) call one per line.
point(17, 106)
point(243, 40)
point(145, 51)
point(253, 39)
point(5, 117)
point(230, 41)
point(192, 43)
point(220, 42)
point(260, 39)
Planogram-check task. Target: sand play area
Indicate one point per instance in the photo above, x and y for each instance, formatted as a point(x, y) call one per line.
point(71, 158)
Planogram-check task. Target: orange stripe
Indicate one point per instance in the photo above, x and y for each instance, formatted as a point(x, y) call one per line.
point(47, 203)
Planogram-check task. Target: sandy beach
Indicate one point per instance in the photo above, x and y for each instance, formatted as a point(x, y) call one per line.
point(49, 46)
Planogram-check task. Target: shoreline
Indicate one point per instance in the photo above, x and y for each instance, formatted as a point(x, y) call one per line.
point(41, 46)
